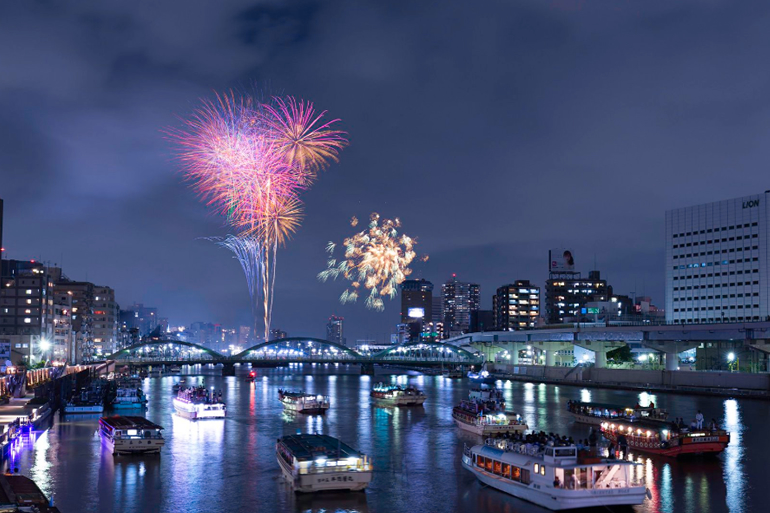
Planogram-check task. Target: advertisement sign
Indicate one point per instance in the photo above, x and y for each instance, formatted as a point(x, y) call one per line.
point(561, 260)
point(416, 313)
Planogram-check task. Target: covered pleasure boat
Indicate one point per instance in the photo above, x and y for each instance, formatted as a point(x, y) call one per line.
point(312, 463)
point(394, 395)
point(130, 435)
point(596, 413)
point(301, 402)
point(664, 438)
point(199, 403)
point(555, 477)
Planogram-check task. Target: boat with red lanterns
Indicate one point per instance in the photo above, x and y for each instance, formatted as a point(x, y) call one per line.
point(664, 438)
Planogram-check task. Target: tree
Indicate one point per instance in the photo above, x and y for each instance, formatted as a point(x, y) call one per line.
point(621, 354)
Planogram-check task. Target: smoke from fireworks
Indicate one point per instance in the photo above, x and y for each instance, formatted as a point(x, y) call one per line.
point(376, 259)
point(249, 161)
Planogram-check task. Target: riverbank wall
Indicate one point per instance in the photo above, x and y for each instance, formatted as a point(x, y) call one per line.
point(687, 382)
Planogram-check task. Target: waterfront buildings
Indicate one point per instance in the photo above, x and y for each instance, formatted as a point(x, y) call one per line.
point(335, 331)
point(144, 318)
point(416, 306)
point(459, 300)
point(516, 306)
point(566, 295)
point(482, 320)
point(26, 309)
point(717, 261)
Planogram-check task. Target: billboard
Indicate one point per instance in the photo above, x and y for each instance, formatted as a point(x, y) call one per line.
point(560, 260)
point(416, 313)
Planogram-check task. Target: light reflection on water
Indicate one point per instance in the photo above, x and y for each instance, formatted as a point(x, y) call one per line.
point(223, 466)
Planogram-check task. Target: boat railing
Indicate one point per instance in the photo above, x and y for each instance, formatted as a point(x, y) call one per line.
point(361, 467)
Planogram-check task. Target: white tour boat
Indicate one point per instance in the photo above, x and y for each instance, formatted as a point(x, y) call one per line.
point(487, 394)
point(313, 463)
point(130, 435)
point(301, 402)
point(199, 403)
point(477, 417)
point(555, 477)
point(394, 395)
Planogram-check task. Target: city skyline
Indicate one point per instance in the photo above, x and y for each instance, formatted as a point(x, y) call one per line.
point(108, 205)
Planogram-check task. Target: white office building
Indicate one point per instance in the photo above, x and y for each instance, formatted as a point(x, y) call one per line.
point(717, 261)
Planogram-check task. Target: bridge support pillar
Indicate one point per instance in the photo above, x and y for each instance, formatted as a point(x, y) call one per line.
point(670, 350)
point(550, 357)
point(600, 358)
point(514, 350)
point(367, 369)
point(228, 369)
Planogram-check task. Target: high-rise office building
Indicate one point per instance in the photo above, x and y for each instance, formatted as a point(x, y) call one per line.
point(717, 261)
point(566, 296)
point(416, 306)
point(516, 306)
point(276, 334)
point(334, 330)
point(459, 300)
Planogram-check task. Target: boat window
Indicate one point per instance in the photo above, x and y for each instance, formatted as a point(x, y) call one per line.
point(537, 468)
point(542, 470)
point(507, 470)
point(516, 473)
point(525, 476)
point(488, 465)
point(549, 452)
point(498, 468)
point(480, 461)
point(562, 453)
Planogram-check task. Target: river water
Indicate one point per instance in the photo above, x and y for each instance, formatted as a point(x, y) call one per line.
point(230, 466)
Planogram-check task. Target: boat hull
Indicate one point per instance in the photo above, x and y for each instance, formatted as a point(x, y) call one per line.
point(149, 446)
point(97, 408)
point(558, 500)
point(489, 429)
point(193, 414)
point(587, 419)
point(313, 408)
point(399, 401)
point(333, 481)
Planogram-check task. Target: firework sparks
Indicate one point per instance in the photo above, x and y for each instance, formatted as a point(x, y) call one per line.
point(250, 161)
point(376, 259)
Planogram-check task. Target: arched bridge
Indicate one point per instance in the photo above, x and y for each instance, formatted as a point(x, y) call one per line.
point(293, 350)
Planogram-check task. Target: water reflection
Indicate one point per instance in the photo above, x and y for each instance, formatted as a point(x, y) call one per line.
point(221, 466)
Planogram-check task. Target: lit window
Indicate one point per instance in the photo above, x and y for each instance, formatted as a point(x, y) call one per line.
point(27, 320)
point(29, 292)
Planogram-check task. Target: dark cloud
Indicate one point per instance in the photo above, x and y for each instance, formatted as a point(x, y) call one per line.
point(494, 130)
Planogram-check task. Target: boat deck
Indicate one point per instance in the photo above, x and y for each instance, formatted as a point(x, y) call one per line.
point(307, 447)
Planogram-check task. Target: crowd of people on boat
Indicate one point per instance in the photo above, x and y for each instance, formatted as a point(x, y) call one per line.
point(532, 443)
point(200, 395)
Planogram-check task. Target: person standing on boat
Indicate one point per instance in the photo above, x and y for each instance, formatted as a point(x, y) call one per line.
point(699, 420)
point(623, 445)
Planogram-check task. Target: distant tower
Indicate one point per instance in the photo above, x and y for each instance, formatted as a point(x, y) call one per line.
point(334, 330)
point(459, 300)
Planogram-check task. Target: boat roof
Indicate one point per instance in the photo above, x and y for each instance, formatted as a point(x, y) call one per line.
point(309, 447)
point(605, 405)
point(121, 422)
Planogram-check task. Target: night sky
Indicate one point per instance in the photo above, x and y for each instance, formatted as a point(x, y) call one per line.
point(494, 130)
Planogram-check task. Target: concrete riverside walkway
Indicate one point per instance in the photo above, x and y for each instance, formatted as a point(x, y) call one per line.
point(16, 407)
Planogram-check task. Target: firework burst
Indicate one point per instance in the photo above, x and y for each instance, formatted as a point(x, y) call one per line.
point(250, 161)
point(376, 260)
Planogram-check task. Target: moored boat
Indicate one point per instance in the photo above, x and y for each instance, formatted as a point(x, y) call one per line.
point(477, 417)
point(90, 400)
point(313, 463)
point(596, 413)
point(175, 369)
point(394, 395)
point(129, 398)
point(301, 402)
point(452, 373)
point(130, 435)
point(555, 477)
point(664, 438)
point(199, 403)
